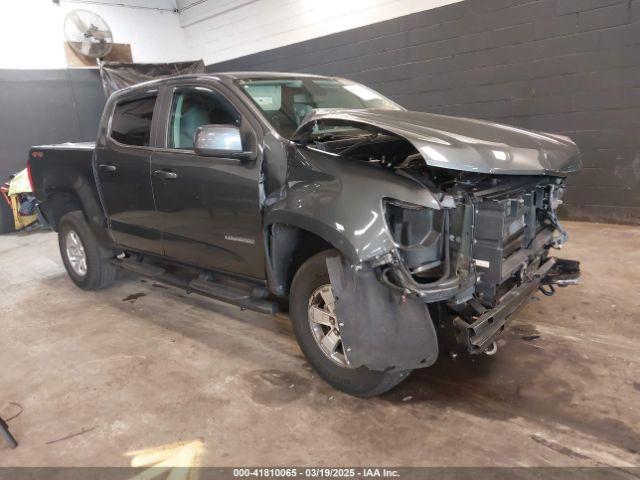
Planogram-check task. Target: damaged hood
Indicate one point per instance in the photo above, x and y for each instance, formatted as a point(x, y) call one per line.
point(464, 144)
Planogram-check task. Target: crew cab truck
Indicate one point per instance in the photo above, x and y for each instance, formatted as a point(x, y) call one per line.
point(387, 230)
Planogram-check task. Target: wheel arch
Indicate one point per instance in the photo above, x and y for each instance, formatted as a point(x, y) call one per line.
point(289, 244)
point(59, 202)
point(77, 192)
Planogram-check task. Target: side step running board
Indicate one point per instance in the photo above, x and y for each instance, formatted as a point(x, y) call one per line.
point(140, 268)
point(253, 300)
point(234, 296)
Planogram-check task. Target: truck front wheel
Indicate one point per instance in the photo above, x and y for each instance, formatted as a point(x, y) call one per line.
point(317, 330)
point(87, 263)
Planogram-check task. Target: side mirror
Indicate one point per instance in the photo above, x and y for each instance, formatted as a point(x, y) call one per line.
point(220, 141)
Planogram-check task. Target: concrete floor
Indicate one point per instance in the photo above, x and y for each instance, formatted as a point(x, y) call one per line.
point(140, 373)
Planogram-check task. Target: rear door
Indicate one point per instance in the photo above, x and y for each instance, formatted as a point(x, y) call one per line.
point(123, 163)
point(209, 206)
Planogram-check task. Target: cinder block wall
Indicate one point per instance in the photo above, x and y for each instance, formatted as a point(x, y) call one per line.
point(46, 106)
point(567, 66)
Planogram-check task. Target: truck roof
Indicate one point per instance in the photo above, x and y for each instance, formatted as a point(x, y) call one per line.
point(224, 76)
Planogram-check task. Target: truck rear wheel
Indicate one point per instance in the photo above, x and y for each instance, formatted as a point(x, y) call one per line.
point(87, 263)
point(318, 334)
point(7, 225)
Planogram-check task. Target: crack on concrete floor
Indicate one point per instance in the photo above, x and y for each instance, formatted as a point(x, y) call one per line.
point(77, 434)
point(558, 448)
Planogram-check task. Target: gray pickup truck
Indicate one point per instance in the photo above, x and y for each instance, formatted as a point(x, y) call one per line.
point(387, 231)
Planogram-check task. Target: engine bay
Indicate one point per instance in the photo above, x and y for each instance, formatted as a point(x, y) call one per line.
point(490, 234)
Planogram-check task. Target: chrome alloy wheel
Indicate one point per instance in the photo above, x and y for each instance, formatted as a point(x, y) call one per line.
point(325, 327)
point(75, 253)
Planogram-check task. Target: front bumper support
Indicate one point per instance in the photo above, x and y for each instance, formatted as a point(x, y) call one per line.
point(479, 335)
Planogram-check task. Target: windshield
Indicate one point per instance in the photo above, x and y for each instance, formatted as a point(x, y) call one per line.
point(286, 101)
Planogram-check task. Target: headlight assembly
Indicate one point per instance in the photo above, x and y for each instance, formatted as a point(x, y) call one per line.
point(411, 225)
point(418, 235)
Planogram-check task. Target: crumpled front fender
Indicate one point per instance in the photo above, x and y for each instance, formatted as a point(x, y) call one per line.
point(341, 201)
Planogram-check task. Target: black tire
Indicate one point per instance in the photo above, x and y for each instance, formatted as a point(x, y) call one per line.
point(360, 382)
point(100, 273)
point(7, 225)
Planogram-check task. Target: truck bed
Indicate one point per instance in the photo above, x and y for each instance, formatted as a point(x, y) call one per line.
point(66, 146)
point(62, 175)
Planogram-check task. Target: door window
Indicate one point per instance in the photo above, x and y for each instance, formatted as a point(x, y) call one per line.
point(131, 122)
point(193, 108)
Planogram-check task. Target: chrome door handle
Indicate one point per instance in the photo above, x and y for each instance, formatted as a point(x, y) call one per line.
point(107, 167)
point(165, 174)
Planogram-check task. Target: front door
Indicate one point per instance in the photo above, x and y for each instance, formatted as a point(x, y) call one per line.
point(123, 164)
point(208, 206)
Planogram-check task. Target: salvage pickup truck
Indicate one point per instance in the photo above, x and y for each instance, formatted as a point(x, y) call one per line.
point(388, 231)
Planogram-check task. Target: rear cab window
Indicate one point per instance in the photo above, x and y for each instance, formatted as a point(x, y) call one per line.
point(131, 121)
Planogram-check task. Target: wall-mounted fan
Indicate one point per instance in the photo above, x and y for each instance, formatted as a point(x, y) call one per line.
point(88, 34)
